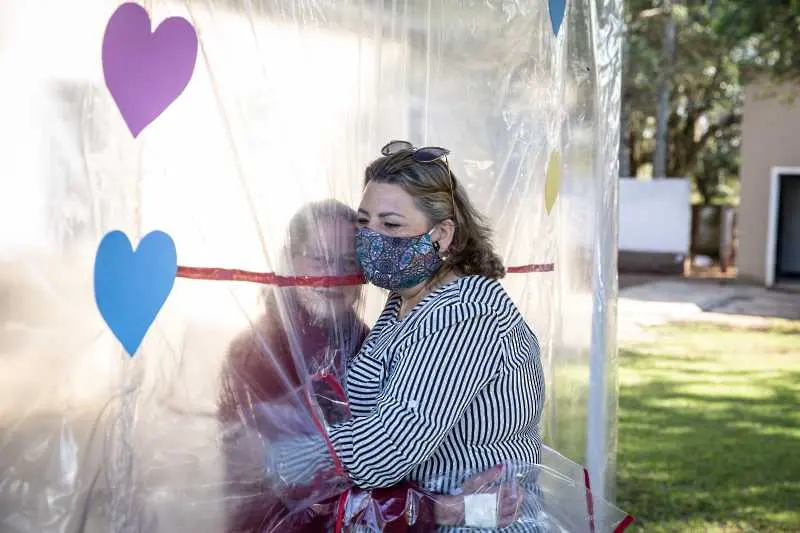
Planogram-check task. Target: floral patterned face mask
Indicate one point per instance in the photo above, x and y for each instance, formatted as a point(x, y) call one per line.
point(396, 263)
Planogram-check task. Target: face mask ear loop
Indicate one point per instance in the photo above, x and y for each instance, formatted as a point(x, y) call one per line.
point(436, 245)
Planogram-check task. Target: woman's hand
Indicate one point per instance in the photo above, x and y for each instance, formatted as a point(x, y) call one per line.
point(450, 510)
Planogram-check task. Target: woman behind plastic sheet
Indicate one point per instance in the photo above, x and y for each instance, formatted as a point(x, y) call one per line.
point(449, 381)
point(305, 334)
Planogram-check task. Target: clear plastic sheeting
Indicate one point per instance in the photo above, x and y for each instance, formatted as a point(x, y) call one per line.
point(554, 496)
point(289, 101)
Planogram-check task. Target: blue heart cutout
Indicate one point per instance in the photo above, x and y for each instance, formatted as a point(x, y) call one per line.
point(557, 10)
point(131, 287)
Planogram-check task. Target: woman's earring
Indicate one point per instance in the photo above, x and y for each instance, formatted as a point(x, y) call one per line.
point(437, 247)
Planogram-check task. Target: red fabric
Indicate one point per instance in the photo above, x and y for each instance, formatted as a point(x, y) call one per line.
point(262, 366)
point(269, 278)
point(403, 508)
point(626, 522)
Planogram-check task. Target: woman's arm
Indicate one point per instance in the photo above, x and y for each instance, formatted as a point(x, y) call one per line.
point(452, 357)
point(407, 504)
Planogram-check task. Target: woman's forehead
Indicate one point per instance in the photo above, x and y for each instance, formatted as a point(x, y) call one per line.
point(334, 236)
point(386, 198)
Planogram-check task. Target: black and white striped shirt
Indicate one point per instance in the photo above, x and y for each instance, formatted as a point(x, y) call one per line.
point(454, 388)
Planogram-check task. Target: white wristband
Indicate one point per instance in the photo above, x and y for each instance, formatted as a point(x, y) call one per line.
point(480, 510)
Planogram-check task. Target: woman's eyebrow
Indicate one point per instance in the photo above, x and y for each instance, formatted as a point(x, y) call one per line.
point(383, 214)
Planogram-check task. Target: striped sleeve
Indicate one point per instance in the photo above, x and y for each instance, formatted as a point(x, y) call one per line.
point(440, 369)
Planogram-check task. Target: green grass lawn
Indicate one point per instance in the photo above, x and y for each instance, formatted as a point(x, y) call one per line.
point(709, 435)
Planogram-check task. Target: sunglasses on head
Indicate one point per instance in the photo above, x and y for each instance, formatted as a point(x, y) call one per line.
point(426, 154)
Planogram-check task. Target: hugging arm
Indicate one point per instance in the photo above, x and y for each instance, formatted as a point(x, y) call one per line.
point(440, 372)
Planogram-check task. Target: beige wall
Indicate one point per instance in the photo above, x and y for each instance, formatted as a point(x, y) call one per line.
point(770, 138)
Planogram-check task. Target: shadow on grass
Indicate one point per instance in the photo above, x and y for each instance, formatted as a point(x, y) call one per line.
point(773, 326)
point(692, 452)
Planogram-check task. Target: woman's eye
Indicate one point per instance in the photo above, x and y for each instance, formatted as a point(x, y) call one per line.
point(362, 221)
point(391, 225)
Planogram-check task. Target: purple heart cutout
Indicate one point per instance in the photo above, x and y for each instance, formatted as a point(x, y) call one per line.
point(145, 71)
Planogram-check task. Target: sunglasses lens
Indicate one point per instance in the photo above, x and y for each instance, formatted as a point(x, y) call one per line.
point(430, 154)
point(393, 147)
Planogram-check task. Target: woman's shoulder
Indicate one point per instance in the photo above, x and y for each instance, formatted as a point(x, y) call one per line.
point(480, 288)
point(472, 296)
point(484, 291)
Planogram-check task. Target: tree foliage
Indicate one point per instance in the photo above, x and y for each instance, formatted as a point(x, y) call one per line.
point(721, 46)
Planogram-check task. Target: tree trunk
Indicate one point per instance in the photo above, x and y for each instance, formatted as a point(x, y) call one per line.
point(624, 145)
point(665, 83)
point(634, 160)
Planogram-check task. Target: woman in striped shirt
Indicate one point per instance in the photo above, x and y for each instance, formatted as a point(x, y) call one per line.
point(306, 335)
point(449, 381)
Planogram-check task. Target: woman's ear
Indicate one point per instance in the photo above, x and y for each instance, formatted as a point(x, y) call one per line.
point(445, 234)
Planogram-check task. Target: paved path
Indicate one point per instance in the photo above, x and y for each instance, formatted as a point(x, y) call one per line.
point(670, 300)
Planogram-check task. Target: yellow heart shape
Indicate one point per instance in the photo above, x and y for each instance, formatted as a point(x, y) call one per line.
point(553, 181)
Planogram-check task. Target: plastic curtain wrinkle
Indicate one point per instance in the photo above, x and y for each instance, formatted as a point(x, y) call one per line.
point(553, 496)
point(288, 102)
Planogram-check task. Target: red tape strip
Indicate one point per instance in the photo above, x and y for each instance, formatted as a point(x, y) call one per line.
point(269, 278)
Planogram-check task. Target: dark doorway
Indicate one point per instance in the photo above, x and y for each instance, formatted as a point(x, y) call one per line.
point(787, 259)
